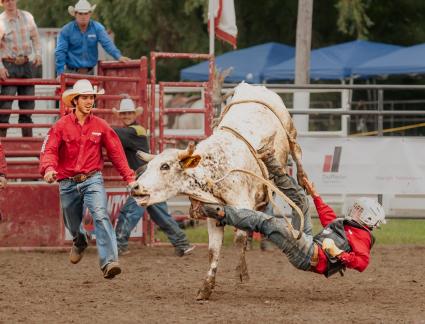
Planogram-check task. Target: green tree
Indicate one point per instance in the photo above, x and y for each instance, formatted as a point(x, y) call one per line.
point(352, 19)
point(141, 26)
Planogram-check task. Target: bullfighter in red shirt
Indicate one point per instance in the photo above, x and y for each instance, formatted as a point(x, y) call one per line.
point(3, 169)
point(72, 155)
point(342, 243)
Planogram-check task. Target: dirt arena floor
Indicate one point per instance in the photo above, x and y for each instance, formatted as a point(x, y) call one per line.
point(158, 287)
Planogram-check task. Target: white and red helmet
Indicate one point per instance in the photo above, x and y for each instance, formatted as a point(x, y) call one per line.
point(367, 212)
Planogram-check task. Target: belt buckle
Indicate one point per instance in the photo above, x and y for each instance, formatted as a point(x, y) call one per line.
point(20, 60)
point(80, 178)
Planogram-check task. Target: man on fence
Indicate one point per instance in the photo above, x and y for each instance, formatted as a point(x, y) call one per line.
point(342, 243)
point(133, 137)
point(18, 38)
point(78, 40)
point(72, 155)
point(3, 169)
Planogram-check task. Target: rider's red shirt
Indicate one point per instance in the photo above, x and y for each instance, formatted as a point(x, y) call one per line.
point(359, 240)
point(72, 149)
point(2, 161)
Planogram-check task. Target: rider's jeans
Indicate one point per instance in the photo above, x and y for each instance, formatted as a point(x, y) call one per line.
point(90, 193)
point(299, 252)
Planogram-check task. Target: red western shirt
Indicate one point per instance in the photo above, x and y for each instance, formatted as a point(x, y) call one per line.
point(72, 149)
point(2, 161)
point(359, 240)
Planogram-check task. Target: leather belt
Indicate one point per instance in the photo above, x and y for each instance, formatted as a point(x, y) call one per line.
point(82, 176)
point(315, 257)
point(19, 60)
point(81, 70)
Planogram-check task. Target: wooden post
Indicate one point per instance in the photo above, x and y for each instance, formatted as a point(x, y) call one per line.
point(302, 60)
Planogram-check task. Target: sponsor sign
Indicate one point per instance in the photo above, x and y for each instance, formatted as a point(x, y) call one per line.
point(378, 165)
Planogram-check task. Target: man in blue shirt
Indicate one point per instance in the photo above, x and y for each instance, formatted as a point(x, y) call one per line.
point(76, 50)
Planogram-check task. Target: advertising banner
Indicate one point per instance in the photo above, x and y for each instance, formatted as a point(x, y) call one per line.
point(372, 165)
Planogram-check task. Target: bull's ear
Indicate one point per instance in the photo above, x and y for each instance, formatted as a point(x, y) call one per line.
point(190, 161)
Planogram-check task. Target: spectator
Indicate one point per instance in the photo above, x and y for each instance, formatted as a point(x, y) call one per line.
point(133, 138)
point(3, 169)
point(72, 155)
point(18, 39)
point(77, 43)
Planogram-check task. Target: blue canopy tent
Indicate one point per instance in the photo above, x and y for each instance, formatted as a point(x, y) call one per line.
point(248, 63)
point(408, 60)
point(333, 62)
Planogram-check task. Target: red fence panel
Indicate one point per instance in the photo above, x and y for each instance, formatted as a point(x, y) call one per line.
point(29, 215)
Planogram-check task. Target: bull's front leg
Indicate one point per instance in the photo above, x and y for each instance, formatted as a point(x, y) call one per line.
point(241, 240)
point(215, 237)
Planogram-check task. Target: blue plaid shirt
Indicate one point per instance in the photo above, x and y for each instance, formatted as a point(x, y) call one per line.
point(79, 50)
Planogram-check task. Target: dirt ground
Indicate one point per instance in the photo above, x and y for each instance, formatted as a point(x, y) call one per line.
point(158, 287)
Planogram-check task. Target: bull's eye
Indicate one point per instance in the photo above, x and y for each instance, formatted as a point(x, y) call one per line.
point(164, 166)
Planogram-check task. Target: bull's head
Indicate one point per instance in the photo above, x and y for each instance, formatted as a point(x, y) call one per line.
point(166, 175)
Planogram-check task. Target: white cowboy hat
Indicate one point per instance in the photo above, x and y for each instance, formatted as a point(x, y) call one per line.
point(81, 6)
point(81, 87)
point(127, 105)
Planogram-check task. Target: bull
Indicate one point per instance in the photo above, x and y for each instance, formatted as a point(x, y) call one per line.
point(257, 117)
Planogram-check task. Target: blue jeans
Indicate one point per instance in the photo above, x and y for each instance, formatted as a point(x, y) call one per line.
point(293, 191)
point(299, 252)
point(131, 213)
point(90, 193)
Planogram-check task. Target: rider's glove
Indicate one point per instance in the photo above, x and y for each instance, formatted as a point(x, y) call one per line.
point(329, 246)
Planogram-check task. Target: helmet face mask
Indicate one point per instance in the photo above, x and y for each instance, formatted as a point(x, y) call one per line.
point(366, 212)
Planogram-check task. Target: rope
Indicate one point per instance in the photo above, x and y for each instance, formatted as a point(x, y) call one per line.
point(296, 234)
point(292, 142)
point(261, 164)
point(264, 104)
point(389, 130)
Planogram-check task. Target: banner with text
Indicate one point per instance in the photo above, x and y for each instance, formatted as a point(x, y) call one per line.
point(386, 165)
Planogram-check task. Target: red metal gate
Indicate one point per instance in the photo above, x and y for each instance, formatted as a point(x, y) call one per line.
point(30, 213)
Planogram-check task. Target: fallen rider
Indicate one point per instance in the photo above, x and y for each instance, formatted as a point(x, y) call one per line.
point(342, 243)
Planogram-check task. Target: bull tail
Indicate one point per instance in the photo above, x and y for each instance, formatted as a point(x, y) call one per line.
point(296, 151)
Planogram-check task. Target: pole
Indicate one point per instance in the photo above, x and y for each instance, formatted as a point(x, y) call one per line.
point(302, 60)
point(380, 127)
point(212, 26)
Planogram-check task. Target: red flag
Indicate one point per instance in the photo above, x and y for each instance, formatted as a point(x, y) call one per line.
point(225, 21)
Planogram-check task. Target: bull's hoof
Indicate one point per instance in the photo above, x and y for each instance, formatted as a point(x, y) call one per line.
point(203, 295)
point(244, 277)
point(205, 291)
point(242, 272)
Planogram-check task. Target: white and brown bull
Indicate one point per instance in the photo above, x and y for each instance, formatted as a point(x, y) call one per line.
point(194, 172)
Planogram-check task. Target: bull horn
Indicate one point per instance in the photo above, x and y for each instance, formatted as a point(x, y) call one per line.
point(145, 156)
point(187, 152)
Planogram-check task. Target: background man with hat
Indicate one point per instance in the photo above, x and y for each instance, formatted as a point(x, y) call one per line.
point(18, 40)
point(72, 155)
point(3, 180)
point(77, 42)
point(133, 138)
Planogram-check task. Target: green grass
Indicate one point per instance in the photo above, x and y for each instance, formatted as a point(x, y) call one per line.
point(396, 231)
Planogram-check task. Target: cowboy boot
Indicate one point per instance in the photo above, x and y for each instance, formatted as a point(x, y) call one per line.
point(26, 132)
point(3, 132)
point(215, 211)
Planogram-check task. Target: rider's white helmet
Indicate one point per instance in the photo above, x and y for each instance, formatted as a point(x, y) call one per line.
point(367, 212)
